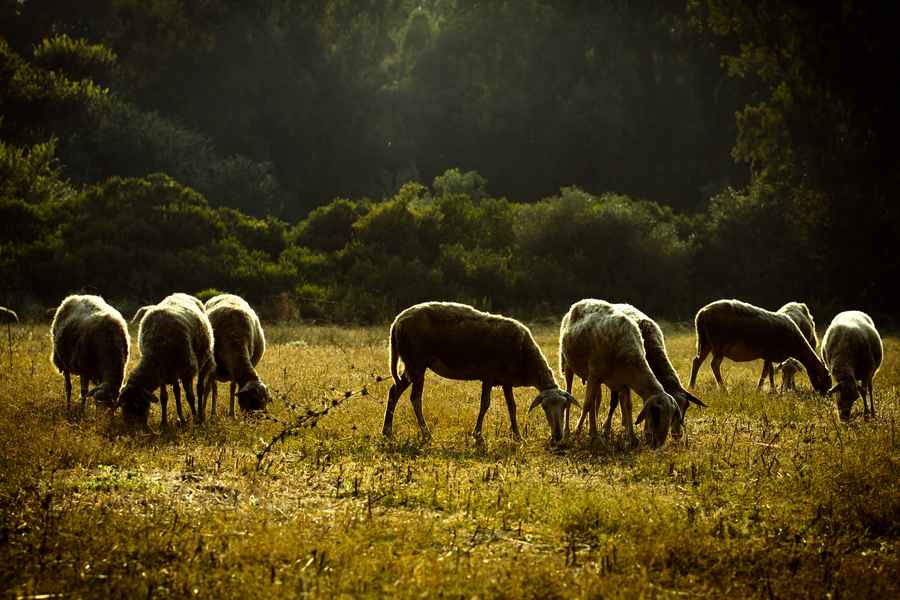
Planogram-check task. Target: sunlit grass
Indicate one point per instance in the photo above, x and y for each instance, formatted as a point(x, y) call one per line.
point(769, 496)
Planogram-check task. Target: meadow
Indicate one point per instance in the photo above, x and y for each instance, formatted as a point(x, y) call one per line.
point(768, 496)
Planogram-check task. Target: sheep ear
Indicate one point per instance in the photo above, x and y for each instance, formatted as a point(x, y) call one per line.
point(140, 313)
point(695, 399)
point(535, 403)
point(833, 389)
point(93, 391)
point(570, 399)
point(642, 414)
point(249, 386)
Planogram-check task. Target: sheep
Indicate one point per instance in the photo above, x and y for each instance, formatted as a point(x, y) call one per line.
point(176, 341)
point(90, 339)
point(799, 314)
point(457, 341)
point(788, 370)
point(740, 331)
point(658, 359)
point(852, 349)
point(181, 296)
point(602, 344)
point(239, 344)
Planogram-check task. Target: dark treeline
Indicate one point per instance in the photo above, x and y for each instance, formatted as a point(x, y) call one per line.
point(342, 159)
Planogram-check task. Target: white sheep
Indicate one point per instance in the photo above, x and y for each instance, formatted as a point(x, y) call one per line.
point(176, 341)
point(239, 344)
point(601, 344)
point(740, 331)
point(457, 341)
point(789, 370)
point(90, 339)
point(658, 359)
point(799, 314)
point(853, 351)
point(179, 296)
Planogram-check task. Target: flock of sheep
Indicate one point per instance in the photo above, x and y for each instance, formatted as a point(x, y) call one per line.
point(182, 340)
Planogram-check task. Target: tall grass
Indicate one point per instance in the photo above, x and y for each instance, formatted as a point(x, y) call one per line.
point(769, 496)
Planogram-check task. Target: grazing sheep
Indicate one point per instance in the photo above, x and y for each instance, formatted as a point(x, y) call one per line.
point(658, 359)
point(799, 314)
point(852, 348)
point(457, 341)
point(176, 341)
point(90, 339)
point(740, 331)
point(602, 344)
point(239, 344)
point(789, 370)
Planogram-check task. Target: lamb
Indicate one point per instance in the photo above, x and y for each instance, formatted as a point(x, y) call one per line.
point(789, 370)
point(799, 314)
point(658, 359)
point(239, 344)
point(852, 348)
point(90, 339)
point(600, 343)
point(740, 331)
point(176, 341)
point(457, 341)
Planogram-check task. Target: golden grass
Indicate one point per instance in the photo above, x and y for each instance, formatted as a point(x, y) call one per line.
point(770, 496)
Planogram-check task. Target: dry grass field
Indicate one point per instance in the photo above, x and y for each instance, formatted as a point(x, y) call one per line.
point(769, 496)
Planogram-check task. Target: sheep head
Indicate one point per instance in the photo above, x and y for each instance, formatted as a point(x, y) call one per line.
point(253, 396)
point(847, 391)
point(820, 379)
point(661, 413)
point(135, 403)
point(104, 394)
point(683, 399)
point(554, 402)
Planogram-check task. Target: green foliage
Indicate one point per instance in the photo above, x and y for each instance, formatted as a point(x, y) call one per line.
point(452, 181)
point(77, 58)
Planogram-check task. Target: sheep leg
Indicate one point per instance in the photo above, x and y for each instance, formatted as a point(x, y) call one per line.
point(714, 364)
point(68, 390)
point(186, 383)
point(569, 375)
point(511, 407)
point(83, 379)
point(213, 410)
point(613, 403)
point(232, 390)
point(592, 397)
point(202, 381)
point(177, 392)
point(767, 371)
point(394, 394)
point(418, 386)
point(696, 363)
point(163, 402)
point(626, 416)
point(584, 409)
point(871, 397)
point(485, 404)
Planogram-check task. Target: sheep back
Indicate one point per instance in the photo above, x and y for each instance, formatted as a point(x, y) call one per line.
point(852, 346)
point(596, 338)
point(800, 314)
point(458, 341)
point(237, 331)
point(89, 337)
point(742, 331)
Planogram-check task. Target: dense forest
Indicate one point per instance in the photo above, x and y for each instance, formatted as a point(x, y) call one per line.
point(339, 160)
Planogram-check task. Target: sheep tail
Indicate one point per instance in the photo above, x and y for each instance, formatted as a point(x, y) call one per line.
point(702, 335)
point(395, 354)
